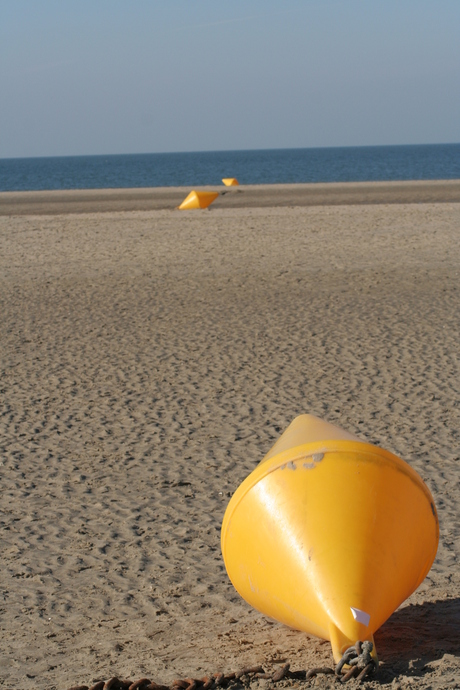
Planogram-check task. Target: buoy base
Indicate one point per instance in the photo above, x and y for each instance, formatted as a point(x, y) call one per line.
point(340, 643)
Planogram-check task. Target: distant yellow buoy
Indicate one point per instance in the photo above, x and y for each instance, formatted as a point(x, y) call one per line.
point(198, 200)
point(329, 534)
point(230, 181)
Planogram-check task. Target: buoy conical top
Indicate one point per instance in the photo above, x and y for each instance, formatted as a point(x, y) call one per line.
point(329, 534)
point(198, 200)
point(230, 181)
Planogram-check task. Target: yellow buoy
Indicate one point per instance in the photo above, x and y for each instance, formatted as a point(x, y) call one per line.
point(198, 200)
point(329, 534)
point(230, 181)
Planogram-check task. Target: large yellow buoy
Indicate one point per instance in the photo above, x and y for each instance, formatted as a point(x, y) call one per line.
point(230, 181)
point(329, 534)
point(198, 200)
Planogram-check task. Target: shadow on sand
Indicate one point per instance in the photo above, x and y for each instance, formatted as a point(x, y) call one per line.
point(417, 635)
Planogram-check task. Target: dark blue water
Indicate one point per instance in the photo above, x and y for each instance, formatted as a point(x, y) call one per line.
point(351, 164)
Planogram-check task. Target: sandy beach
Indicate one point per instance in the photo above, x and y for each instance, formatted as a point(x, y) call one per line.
point(245, 196)
point(149, 360)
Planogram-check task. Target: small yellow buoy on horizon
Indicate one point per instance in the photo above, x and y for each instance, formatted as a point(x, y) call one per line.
point(329, 534)
point(198, 200)
point(230, 181)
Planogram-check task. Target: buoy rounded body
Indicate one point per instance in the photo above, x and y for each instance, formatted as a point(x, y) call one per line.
point(230, 181)
point(198, 200)
point(329, 534)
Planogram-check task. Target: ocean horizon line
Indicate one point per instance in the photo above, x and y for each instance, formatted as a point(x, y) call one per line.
point(217, 151)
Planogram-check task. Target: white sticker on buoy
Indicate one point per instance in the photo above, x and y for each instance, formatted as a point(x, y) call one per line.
point(360, 616)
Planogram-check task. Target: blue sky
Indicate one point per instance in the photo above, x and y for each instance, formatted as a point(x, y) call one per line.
point(144, 76)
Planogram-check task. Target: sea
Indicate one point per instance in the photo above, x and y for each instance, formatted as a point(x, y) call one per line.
point(271, 166)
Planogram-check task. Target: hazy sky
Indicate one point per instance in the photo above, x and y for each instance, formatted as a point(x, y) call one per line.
point(144, 76)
